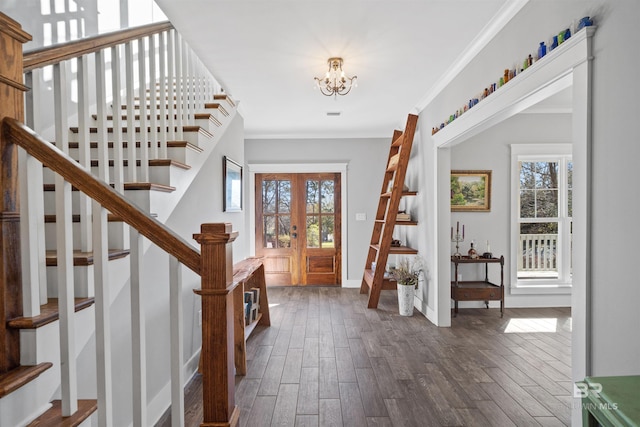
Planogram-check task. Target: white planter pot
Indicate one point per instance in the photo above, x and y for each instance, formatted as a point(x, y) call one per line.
point(405, 300)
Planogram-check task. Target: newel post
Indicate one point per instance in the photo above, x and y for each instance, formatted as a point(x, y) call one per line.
point(11, 105)
point(218, 382)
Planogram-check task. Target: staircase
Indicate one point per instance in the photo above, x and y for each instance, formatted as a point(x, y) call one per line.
point(79, 294)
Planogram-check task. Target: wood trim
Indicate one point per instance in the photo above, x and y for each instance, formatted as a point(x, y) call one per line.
point(53, 417)
point(48, 313)
point(13, 84)
point(39, 58)
point(16, 378)
point(70, 170)
point(83, 259)
point(13, 29)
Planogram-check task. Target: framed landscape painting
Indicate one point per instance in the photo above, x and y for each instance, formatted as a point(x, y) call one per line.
point(470, 191)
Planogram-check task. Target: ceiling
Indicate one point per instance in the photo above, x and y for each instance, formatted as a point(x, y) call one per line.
point(265, 54)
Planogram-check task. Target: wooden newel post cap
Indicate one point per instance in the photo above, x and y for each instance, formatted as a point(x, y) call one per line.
point(221, 232)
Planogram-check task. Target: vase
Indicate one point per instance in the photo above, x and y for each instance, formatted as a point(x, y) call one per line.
point(406, 294)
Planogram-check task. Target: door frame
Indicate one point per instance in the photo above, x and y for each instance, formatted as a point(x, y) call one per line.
point(341, 168)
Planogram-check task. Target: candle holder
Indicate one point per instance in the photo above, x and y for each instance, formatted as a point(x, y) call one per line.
point(458, 238)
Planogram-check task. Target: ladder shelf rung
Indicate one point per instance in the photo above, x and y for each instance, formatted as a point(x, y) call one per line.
point(398, 250)
point(388, 283)
point(404, 193)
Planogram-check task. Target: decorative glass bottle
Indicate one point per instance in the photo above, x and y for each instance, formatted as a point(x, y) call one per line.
point(473, 254)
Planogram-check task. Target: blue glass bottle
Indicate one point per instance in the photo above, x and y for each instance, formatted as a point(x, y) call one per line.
point(542, 50)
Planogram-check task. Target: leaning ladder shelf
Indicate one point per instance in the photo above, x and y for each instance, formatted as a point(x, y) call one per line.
point(374, 280)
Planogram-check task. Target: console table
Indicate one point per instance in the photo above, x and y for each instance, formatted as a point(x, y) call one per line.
point(611, 401)
point(477, 290)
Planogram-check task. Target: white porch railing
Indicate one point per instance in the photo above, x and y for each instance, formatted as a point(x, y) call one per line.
point(537, 253)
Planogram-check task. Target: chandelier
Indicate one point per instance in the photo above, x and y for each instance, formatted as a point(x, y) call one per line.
point(335, 82)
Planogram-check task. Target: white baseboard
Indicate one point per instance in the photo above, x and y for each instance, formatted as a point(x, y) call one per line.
point(352, 283)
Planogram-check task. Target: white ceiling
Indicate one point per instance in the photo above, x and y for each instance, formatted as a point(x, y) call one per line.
point(265, 54)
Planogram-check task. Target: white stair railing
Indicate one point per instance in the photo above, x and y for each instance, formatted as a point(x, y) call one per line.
point(170, 76)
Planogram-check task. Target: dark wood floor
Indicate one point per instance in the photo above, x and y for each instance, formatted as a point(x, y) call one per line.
point(327, 360)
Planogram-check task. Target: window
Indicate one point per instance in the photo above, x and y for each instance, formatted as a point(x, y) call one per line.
point(541, 216)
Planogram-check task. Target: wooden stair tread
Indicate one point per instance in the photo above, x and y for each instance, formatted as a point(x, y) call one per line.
point(84, 258)
point(49, 313)
point(53, 417)
point(186, 128)
point(152, 163)
point(76, 218)
point(216, 106)
point(224, 97)
point(197, 116)
point(151, 186)
point(16, 378)
point(125, 144)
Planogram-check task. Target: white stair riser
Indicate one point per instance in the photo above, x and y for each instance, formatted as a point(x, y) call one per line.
point(49, 200)
point(82, 280)
point(195, 138)
point(184, 155)
point(50, 234)
point(207, 124)
point(157, 174)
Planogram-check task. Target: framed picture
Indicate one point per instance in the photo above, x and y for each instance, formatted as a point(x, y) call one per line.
point(470, 191)
point(232, 185)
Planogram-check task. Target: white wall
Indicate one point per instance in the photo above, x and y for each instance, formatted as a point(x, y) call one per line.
point(615, 229)
point(366, 160)
point(613, 318)
point(490, 150)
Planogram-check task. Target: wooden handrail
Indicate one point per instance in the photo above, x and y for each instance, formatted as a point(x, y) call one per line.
point(49, 55)
point(49, 155)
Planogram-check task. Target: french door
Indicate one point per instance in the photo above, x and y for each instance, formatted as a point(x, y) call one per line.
point(298, 223)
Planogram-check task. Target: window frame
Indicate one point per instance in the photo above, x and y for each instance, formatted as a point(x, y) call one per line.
point(562, 154)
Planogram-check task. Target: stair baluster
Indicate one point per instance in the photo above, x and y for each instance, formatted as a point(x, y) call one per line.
point(180, 86)
point(153, 106)
point(64, 249)
point(138, 332)
point(84, 153)
point(171, 90)
point(142, 94)
point(176, 309)
point(102, 315)
point(132, 175)
point(116, 101)
point(32, 209)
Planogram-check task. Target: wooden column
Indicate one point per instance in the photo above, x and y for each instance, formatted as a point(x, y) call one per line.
point(218, 382)
point(11, 105)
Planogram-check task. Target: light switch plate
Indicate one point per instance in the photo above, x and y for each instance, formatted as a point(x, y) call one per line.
point(361, 217)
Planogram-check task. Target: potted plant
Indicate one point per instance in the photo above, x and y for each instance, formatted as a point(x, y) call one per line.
point(407, 275)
